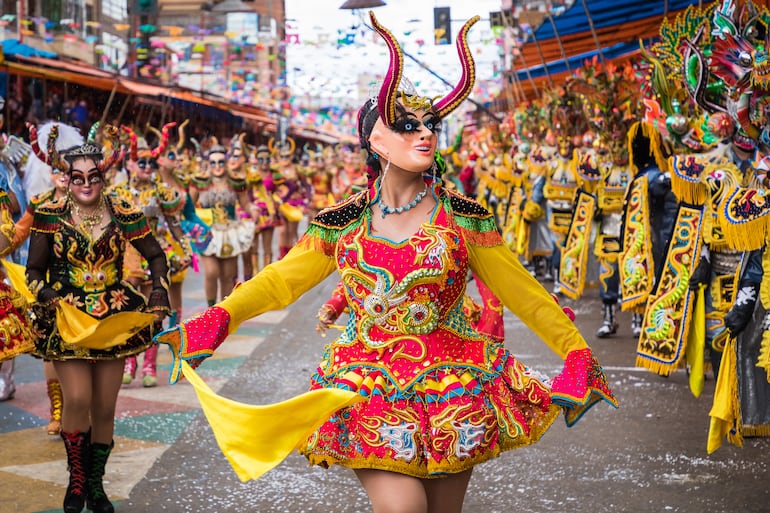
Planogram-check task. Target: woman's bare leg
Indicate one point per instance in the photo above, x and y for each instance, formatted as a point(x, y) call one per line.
point(266, 237)
point(390, 492)
point(106, 385)
point(228, 270)
point(175, 295)
point(76, 383)
point(446, 494)
point(210, 277)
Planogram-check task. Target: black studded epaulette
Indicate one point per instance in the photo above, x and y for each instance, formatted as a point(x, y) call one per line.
point(466, 206)
point(342, 214)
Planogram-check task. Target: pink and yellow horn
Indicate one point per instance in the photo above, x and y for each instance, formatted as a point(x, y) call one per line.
point(464, 87)
point(33, 142)
point(133, 143)
point(54, 159)
point(161, 147)
point(386, 100)
point(117, 152)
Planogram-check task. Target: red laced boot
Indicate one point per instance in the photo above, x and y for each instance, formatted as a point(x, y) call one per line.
point(76, 445)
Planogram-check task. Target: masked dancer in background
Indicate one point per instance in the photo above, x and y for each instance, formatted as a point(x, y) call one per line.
point(161, 205)
point(219, 193)
point(264, 206)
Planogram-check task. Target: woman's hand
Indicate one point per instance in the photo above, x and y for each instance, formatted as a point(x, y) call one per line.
point(195, 339)
point(326, 317)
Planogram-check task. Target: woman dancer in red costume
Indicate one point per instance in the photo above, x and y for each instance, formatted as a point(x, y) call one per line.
point(431, 396)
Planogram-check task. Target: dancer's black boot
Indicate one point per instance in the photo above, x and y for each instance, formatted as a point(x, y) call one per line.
point(97, 500)
point(76, 445)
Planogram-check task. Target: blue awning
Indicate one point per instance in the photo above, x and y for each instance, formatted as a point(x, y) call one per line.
point(15, 47)
point(607, 13)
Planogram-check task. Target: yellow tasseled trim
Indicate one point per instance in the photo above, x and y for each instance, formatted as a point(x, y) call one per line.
point(691, 191)
point(659, 368)
point(759, 430)
point(746, 236)
point(764, 288)
point(764, 354)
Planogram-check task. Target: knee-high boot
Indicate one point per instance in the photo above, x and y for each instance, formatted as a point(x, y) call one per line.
point(96, 498)
point(282, 251)
point(76, 445)
point(149, 366)
point(54, 395)
point(129, 370)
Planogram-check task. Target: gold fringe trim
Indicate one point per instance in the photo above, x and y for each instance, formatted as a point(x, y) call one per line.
point(756, 430)
point(692, 192)
point(764, 288)
point(763, 360)
point(746, 236)
point(659, 368)
point(636, 305)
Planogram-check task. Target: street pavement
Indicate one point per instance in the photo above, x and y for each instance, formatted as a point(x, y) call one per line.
point(649, 455)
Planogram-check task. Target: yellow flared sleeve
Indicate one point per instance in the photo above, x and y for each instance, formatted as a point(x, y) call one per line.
point(255, 439)
point(278, 285)
point(523, 295)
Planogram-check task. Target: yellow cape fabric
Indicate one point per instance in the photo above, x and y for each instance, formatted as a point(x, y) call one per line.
point(725, 412)
point(77, 327)
point(696, 343)
point(291, 213)
point(205, 214)
point(255, 439)
point(17, 276)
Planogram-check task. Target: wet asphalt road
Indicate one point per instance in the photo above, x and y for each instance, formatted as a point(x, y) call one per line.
point(647, 456)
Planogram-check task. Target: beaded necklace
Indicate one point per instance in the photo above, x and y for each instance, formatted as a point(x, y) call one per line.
point(89, 220)
point(386, 210)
